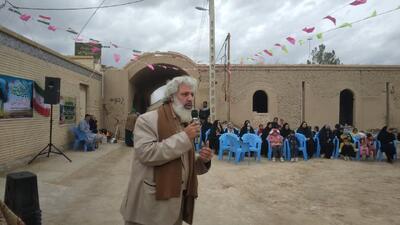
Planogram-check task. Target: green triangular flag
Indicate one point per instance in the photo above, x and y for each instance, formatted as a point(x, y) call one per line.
point(345, 25)
point(319, 36)
point(373, 14)
point(284, 49)
point(301, 42)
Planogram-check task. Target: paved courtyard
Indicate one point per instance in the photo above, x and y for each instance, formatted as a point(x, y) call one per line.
point(89, 190)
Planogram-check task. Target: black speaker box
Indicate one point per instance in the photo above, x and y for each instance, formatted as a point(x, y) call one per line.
point(52, 90)
point(21, 197)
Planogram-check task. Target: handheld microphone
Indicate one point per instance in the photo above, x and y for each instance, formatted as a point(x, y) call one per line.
point(195, 118)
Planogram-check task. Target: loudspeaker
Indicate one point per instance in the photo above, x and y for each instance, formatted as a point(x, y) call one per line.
point(52, 90)
point(21, 197)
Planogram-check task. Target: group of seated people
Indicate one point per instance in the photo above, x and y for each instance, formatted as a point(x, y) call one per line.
point(93, 136)
point(349, 139)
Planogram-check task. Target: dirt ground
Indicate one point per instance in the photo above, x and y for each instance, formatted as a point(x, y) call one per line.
point(90, 189)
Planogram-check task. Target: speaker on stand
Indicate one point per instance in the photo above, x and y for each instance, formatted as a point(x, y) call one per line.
point(51, 96)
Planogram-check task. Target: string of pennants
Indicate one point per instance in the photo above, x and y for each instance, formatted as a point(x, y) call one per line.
point(312, 31)
point(95, 45)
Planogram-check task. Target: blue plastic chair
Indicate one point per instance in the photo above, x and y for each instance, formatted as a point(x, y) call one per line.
point(80, 138)
point(318, 145)
point(236, 147)
point(335, 148)
point(302, 144)
point(223, 145)
point(253, 142)
point(286, 149)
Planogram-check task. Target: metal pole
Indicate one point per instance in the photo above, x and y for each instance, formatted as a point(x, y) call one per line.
point(229, 76)
point(212, 62)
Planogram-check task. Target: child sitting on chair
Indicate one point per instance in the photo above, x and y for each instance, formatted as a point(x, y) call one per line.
point(347, 149)
point(276, 141)
point(371, 146)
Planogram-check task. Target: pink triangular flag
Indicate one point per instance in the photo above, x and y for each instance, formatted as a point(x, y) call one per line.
point(95, 49)
point(268, 52)
point(331, 19)
point(150, 66)
point(308, 30)
point(117, 57)
point(52, 28)
point(278, 45)
point(291, 40)
point(358, 2)
point(25, 17)
point(45, 17)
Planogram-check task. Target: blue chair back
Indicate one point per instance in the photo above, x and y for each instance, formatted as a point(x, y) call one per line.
point(317, 145)
point(236, 147)
point(302, 144)
point(253, 142)
point(335, 147)
point(223, 145)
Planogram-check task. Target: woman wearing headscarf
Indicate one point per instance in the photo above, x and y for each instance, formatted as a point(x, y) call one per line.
point(247, 128)
point(264, 135)
point(215, 132)
point(306, 131)
point(326, 141)
point(285, 130)
point(387, 138)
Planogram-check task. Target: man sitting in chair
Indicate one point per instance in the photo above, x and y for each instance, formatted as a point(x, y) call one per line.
point(84, 127)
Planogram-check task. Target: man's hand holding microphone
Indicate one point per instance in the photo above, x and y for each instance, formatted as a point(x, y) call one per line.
point(193, 131)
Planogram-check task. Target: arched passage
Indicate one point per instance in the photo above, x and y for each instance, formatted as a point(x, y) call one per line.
point(143, 80)
point(346, 107)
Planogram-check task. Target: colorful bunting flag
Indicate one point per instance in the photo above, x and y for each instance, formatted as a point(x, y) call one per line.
point(150, 66)
point(333, 19)
point(25, 17)
point(358, 2)
point(117, 57)
point(319, 36)
point(44, 22)
point(52, 28)
point(70, 30)
point(284, 49)
point(308, 30)
point(374, 13)
point(291, 40)
point(78, 39)
point(301, 42)
point(268, 52)
point(345, 25)
point(45, 17)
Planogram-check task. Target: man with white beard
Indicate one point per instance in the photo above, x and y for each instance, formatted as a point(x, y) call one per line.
point(163, 181)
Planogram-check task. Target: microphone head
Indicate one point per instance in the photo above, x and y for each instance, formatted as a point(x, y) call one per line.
point(195, 114)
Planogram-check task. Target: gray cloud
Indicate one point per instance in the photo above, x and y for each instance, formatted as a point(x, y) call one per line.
point(174, 25)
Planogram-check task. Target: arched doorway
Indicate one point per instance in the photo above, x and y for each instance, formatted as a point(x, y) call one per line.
point(260, 102)
point(346, 107)
point(144, 80)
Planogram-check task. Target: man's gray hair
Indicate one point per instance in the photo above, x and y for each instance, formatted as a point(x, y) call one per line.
point(172, 86)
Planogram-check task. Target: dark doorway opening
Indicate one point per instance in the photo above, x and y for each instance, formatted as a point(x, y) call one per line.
point(260, 102)
point(346, 107)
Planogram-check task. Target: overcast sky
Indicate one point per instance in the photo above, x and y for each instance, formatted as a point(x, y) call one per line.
point(175, 25)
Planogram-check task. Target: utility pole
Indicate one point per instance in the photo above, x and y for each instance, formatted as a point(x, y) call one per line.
point(212, 62)
point(229, 75)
